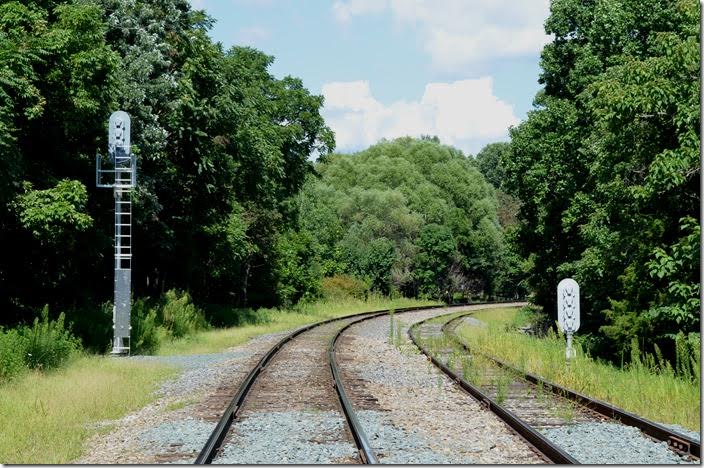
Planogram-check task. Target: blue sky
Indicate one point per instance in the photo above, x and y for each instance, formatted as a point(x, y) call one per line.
point(461, 69)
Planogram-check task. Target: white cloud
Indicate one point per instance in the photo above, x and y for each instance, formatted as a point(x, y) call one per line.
point(460, 33)
point(465, 114)
point(345, 10)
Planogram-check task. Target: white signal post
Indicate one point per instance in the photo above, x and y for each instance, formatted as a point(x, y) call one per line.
point(568, 311)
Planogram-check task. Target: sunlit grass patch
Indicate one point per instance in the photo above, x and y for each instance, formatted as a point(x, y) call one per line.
point(657, 395)
point(277, 320)
point(47, 417)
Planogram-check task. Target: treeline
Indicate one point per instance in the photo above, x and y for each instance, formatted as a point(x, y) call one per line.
point(607, 170)
point(230, 211)
point(222, 146)
point(411, 217)
point(600, 183)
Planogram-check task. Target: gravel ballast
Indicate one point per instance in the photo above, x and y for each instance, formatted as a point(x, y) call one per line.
point(410, 411)
point(612, 443)
point(310, 438)
point(400, 446)
point(174, 427)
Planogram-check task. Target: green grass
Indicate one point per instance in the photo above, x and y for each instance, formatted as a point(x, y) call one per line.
point(45, 417)
point(660, 396)
point(276, 320)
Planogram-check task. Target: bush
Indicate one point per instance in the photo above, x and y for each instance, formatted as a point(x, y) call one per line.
point(343, 286)
point(224, 315)
point(180, 316)
point(48, 343)
point(174, 316)
point(13, 348)
point(146, 335)
point(93, 323)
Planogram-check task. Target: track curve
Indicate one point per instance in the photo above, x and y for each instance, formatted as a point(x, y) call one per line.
point(214, 444)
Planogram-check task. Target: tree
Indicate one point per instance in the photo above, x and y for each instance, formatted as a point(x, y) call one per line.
point(368, 213)
point(437, 254)
point(223, 150)
point(489, 162)
point(56, 88)
point(607, 165)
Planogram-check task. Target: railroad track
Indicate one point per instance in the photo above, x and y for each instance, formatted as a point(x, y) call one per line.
point(526, 402)
point(263, 388)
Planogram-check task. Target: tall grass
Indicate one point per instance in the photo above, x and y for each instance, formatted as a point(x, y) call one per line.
point(48, 342)
point(45, 417)
point(172, 317)
point(45, 345)
point(648, 386)
point(277, 320)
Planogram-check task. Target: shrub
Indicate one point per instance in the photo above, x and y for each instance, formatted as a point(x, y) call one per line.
point(224, 315)
point(342, 286)
point(13, 348)
point(48, 343)
point(146, 335)
point(93, 323)
point(180, 316)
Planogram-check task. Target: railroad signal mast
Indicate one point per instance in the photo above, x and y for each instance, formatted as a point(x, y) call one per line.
point(118, 171)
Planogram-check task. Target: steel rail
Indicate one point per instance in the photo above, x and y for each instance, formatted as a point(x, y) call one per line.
point(534, 438)
point(677, 442)
point(363, 444)
point(365, 448)
point(213, 444)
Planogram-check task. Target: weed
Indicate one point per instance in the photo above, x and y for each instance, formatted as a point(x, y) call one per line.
point(468, 371)
point(502, 383)
point(392, 330)
point(146, 333)
point(565, 411)
point(13, 348)
point(180, 316)
point(48, 343)
point(648, 386)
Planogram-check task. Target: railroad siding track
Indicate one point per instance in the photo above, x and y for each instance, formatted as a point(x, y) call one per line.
point(539, 409)
point(680, 443)
point(410, 413)
point(540, 404)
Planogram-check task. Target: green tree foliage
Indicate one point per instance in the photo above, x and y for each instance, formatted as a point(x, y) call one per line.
point(55, 92)
point(607, 167)
point(298, 272)
point(410, 216)
point(489, 162)
point(223, 149)
point(52, 215)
